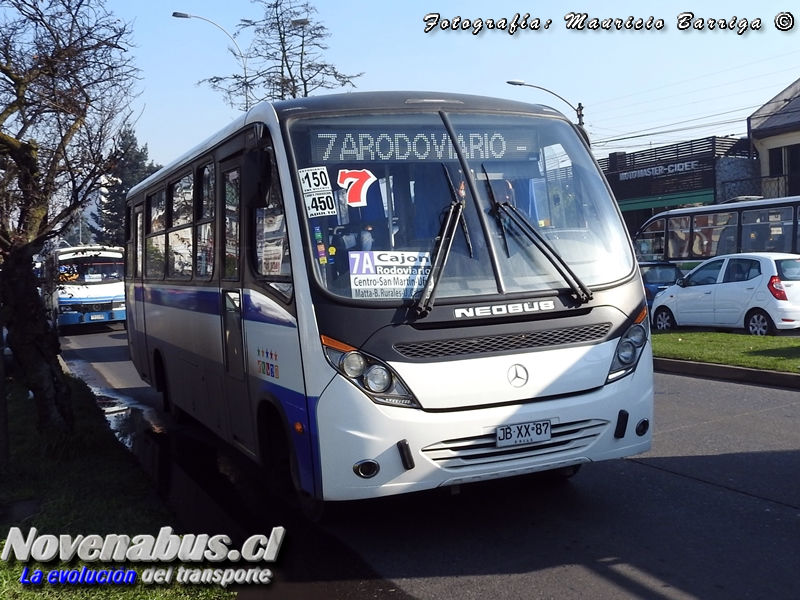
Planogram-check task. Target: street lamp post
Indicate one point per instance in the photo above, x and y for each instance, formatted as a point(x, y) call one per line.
point(578, 110)
point(241, 56)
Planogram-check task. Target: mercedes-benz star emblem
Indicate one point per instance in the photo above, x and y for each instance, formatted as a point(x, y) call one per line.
point(517, 375)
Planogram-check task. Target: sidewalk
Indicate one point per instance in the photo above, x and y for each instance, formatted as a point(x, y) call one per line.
point(727, 373)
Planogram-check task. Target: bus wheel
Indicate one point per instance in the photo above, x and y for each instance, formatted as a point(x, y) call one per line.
point(314, 509)
point(276, 458)
point(282, 469)
point(758, 322)
point(177, 413)
point(663, 319)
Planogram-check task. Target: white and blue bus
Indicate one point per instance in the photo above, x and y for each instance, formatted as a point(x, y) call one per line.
point(379, 293)
point(86, 285)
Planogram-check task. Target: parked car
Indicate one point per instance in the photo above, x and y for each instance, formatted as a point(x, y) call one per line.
point(658, 276)
point(759, 291)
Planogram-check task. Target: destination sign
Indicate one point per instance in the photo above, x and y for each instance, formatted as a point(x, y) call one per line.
point(414, 145)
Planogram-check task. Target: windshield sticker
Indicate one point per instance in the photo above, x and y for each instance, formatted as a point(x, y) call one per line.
point(323, 259)
point(356, 182)
point(317, 192)
point(387, 275)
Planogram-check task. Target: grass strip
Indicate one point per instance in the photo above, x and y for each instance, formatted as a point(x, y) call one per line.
point(89, 484)
point(773, 353)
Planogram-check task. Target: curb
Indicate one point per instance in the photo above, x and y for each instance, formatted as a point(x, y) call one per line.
point(727, 373)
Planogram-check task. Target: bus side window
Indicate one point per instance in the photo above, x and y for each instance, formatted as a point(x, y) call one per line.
point(204, 229)
point(272, 241)
point(678, 244)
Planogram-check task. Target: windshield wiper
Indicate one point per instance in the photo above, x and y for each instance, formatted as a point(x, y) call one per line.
point(505, 209)
point(444, 242)
point(462, 219)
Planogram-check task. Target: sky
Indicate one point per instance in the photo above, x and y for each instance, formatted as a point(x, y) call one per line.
point(638, 89)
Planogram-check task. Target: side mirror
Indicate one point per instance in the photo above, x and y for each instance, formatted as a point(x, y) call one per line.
point(680, 282)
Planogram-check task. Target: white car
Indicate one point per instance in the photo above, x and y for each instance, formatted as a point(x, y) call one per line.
point(759, 291)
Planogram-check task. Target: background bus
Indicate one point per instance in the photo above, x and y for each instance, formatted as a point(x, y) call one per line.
point(84, 284)
point(688, 236)
point(379, 293)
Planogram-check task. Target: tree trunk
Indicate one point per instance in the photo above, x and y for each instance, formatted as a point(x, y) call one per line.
point(5, 445)
point(35, 346)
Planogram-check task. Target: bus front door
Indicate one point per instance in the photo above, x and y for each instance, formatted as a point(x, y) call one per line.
point(236, 394)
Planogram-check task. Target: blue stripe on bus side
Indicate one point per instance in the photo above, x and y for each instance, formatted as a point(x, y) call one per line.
point(261, 310)
point(204, 301)
point(313, 432)
point(256, 307)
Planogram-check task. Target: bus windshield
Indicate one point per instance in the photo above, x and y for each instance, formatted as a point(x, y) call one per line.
point(89, 269)
point(378, 189)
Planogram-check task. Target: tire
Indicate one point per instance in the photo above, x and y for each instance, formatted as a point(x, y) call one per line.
point(315, 510)
point(663, 320)
point(179, 416)
point(283, 472)
point(759, 322)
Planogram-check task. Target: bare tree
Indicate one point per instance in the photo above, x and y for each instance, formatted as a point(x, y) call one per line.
point(64, 92)
point(286, 57)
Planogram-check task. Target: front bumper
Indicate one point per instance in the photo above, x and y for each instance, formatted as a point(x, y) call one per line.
point(455, 447)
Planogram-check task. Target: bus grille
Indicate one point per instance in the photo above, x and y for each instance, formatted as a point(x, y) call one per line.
point(93, 307)
point(481, 450)
point(504, 343)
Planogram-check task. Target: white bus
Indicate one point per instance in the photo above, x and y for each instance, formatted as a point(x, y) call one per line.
point(85, 284)
point(688, 236)
point(337, 289)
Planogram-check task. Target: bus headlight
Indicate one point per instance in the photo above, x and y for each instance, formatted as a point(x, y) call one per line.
point(629, 348)
point(626, 352)
point(371, 375)
point(378, 379)
point(353, 364)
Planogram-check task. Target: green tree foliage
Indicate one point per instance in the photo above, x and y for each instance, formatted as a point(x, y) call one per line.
point(131, 167)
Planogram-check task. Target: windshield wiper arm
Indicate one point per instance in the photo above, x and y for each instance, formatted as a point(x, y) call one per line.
point(444, 242)
point(581, 291)
point(462, 219)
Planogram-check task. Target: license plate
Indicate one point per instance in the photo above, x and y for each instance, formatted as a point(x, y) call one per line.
point(97, 317)
point(523, 433)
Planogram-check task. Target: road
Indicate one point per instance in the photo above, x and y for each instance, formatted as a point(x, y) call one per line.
point(712, 511)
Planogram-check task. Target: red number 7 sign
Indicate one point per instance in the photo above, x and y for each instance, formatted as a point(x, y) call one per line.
point(356, 182)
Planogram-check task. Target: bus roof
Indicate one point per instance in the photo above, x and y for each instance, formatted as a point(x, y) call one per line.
point(93, 250)
point(409, 101)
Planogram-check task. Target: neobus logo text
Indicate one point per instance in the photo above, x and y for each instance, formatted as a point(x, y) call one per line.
point(504, 309)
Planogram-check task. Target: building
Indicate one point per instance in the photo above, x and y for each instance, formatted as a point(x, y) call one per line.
point(704, 171)
point(775, 134)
